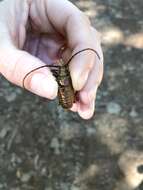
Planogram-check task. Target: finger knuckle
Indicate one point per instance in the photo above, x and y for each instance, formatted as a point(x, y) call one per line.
point(29, 2)
point(99, 35)
point(85, 18)
point(96, 34)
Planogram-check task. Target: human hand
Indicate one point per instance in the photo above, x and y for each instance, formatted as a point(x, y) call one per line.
point(32, 32)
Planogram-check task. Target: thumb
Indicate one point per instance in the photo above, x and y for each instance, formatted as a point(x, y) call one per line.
point(15, 64)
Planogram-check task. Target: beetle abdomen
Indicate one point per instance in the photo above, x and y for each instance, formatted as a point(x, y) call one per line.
point(66, 97)
point(66, 92)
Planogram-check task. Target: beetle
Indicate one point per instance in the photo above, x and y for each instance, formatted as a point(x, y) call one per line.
point(66, 92)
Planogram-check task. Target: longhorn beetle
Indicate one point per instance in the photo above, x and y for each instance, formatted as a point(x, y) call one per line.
point(66, 92)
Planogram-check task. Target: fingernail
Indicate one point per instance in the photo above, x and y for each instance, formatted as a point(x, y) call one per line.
point(44, 85)
point(86, 112)
point(92, 93)
point(81, 81)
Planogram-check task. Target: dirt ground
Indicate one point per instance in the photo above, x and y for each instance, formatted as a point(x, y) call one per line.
point(43, 147)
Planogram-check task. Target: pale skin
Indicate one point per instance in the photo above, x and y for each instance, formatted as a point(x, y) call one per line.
point(31, 34)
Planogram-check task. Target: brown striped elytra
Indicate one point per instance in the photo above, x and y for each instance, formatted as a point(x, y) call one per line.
point(66, 93)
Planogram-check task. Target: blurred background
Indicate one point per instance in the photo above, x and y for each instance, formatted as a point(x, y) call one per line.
point(42, 147)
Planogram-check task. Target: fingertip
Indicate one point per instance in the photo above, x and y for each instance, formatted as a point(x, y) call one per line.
point(86, 111)
point(84, 98)
point(88, 95)
point(44, 86)
point(78, 80)
point(81, 66)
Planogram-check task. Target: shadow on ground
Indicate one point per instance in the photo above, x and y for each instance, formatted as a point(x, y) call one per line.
point(44, 148)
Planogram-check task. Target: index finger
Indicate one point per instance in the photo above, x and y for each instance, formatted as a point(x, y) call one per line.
point(73, 24)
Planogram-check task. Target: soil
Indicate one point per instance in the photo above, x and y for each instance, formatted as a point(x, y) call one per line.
point(43, 147)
